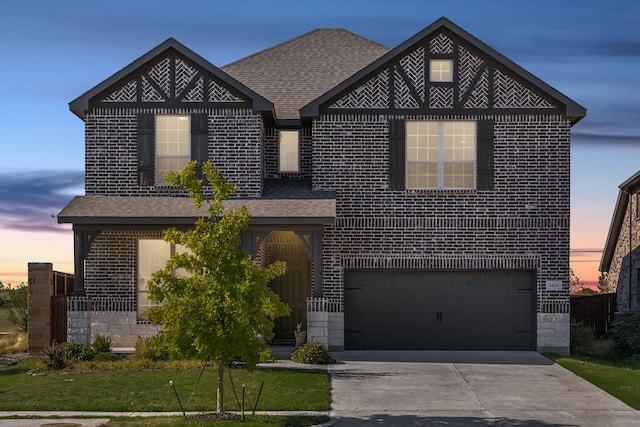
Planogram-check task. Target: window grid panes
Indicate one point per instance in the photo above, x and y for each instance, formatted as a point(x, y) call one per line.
point(173, 144)
point(288, 151)
point(153, 255)
point(441, 70)
point(441, 155)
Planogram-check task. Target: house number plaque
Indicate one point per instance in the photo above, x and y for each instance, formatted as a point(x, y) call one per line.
point(554, 285)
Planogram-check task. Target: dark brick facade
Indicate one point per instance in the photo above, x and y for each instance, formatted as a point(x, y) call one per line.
point(522, 224)
point(235, 147)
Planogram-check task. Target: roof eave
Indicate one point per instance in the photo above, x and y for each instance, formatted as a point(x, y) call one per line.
point(614, 231)
point(172, 221)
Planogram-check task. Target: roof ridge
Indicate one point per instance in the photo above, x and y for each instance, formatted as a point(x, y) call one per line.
point(291, 41)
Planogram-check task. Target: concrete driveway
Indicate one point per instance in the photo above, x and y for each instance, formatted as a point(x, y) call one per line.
point(427, 388)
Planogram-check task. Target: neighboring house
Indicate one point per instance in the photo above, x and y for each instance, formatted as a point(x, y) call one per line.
point(621, 256)
point(419, 195)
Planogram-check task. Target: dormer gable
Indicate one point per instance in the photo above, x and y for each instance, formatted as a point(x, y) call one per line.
point(482, 81)
point(171, 75)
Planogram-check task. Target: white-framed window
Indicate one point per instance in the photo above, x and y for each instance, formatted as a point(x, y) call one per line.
point(173, 144)
point(288, 148)
point(441, 70)
point(153, 255)
point(441, 155)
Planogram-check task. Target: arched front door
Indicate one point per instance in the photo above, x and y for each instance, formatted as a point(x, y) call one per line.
point(294, 287)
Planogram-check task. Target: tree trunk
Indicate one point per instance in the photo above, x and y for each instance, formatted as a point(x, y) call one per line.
point(220, 396)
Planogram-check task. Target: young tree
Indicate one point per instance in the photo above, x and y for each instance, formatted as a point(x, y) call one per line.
point(219, 307)
point(604, 285)
point(17, 306)
point(574, 283)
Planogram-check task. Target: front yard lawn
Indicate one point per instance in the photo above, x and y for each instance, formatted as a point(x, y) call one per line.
point(620, 377)
point(149, 390)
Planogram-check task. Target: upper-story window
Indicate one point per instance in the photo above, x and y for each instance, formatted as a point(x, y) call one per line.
point(440, 155)
point(441, 70)
point(173, 144)
point(169, 142)
point(289, 150)
point(435, 155)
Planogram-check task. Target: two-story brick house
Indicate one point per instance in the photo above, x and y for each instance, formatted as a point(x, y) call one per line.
point(419, 195)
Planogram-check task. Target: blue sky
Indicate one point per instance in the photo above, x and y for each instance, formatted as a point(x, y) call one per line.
point(54, 51)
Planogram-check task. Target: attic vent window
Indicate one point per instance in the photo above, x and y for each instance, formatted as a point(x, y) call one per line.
point(441, 70)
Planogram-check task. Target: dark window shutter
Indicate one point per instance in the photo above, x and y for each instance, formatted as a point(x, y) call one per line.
point(146, 148)
point(199, 140)
point(485, 140)
point(397, 154)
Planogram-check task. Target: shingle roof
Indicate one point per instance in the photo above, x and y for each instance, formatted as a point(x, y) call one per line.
point(95, 209)
point(296, 72)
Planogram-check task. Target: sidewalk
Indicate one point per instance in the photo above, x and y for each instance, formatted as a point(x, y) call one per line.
point(70, 418)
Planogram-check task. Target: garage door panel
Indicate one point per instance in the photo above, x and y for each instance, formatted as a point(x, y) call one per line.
point(456, 310)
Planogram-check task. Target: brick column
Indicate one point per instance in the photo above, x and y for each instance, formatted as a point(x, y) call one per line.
point(39, 306)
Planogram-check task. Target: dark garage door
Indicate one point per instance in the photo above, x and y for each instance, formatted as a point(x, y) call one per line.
point(440, 310)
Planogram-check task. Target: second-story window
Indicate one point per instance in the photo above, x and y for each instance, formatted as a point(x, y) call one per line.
point(288, 148)
point(173, 144)
point(441, 155)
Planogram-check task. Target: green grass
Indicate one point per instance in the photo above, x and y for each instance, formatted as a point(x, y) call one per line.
point(149, 390)
point(257, 421)
point(618, 376)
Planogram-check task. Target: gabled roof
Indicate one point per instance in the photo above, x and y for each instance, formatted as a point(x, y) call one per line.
point(627, 188)
point(574, 111)
point(298, 71)
point(81, 105)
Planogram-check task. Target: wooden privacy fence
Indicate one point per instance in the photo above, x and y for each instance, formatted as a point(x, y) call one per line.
point(595, 311)
point(62, 286)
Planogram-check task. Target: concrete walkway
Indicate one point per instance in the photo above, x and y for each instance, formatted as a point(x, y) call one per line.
point(454, 389)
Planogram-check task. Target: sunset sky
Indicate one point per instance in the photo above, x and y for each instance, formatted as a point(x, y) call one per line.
point(55, 51)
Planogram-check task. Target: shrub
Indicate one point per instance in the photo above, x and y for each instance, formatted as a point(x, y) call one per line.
point(626, 332)
point(149, 348)
point(72, 351)
point(60, 356)
point(106, 356)
point(312, 353)
point(101, 344)
point(53, 358)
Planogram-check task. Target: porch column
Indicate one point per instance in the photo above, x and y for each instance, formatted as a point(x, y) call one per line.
point(82, 241)
point(250, 240)
point(313, 243)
